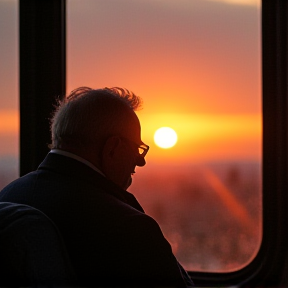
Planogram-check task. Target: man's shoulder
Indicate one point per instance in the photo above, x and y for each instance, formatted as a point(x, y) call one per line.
point(19, 184)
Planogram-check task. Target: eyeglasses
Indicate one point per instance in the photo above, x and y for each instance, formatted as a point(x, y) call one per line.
point(142, 148)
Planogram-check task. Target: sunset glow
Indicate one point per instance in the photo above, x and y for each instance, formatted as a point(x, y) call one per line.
point(196, 64)
point(186, 63)
point(9, 121)
point(165, 137)
point(235, 207)
point(204, 137)
point(241, 2)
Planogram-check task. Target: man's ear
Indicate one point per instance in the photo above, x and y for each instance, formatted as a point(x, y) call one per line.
point(110, 148)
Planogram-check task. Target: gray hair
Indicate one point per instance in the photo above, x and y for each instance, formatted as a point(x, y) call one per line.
point(89, 116)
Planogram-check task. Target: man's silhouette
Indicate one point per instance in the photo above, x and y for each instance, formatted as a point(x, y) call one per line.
point(81, 185)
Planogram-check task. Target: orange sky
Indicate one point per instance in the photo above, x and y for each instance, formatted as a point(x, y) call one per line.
point(9, 128)
point(204, 137)
point(196, 64)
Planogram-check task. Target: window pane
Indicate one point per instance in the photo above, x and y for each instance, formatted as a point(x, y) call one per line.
point(9, 111)
point(196, 64)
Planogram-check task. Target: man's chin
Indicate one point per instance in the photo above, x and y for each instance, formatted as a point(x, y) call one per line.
point(128, 183)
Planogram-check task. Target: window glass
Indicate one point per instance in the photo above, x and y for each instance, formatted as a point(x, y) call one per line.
point(9, 110)
point(196, 65)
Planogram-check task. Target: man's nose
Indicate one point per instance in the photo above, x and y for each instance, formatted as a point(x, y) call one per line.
point(140, 161)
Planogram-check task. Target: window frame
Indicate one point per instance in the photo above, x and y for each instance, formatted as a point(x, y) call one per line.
point(43, 76)
point(42, 33)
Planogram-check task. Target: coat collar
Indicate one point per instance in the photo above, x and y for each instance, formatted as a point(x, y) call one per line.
point(67, 166)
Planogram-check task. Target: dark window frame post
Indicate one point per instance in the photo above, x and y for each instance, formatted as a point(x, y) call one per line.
point(42, 29)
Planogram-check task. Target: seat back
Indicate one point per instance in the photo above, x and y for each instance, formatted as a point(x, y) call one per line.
point(32, 251)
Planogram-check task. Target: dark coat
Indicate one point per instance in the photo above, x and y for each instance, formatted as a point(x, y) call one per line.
point(109, 238)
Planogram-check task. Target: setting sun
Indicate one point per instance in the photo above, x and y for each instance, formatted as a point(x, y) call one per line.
point(165, 137)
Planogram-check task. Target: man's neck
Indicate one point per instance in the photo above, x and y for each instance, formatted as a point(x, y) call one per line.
point(78, 158)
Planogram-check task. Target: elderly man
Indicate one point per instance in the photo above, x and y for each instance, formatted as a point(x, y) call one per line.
point(81, 185)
